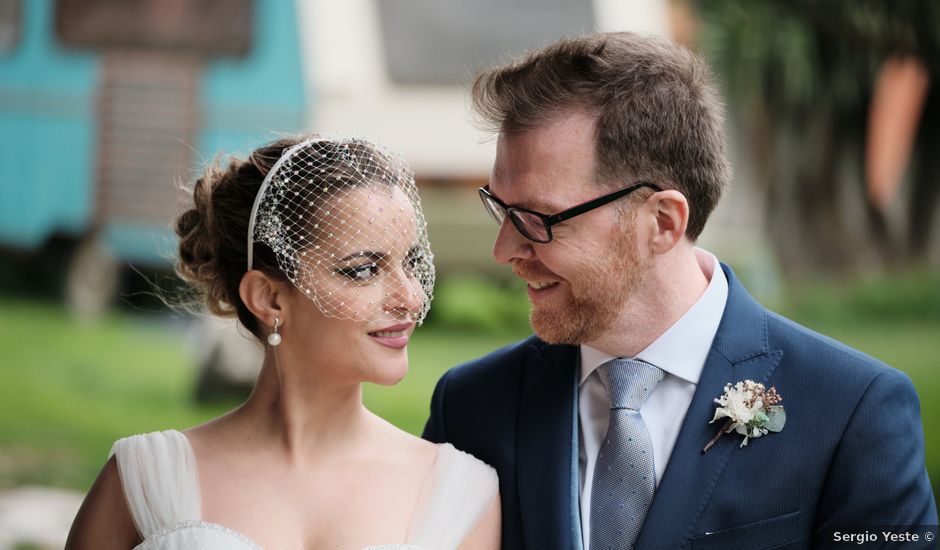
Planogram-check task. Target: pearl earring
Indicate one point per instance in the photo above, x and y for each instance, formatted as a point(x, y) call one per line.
point(274, 338)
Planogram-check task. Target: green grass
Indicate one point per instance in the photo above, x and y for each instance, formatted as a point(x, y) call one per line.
point(69, 390)
point(430, 353)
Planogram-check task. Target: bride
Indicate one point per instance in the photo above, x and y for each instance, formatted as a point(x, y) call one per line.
point(319, 247)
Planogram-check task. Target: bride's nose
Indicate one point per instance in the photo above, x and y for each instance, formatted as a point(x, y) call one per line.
point(404, 295)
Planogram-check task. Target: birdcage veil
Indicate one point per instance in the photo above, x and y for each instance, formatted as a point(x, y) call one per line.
point(343, 218)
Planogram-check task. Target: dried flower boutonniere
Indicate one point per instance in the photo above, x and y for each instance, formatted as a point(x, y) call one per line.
point(751, 410)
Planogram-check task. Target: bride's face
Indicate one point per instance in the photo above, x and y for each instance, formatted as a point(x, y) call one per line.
point(355, 305)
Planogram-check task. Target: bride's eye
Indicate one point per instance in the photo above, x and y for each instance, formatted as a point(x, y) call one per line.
point(359, 273)
point(414, 260)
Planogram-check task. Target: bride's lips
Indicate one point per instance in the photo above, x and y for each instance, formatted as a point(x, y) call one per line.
point(395, 336)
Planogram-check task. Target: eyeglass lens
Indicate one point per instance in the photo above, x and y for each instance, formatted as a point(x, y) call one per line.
point(530, 225)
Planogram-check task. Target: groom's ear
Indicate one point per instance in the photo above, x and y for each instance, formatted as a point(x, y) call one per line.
point(263, 296)
point(670, 209)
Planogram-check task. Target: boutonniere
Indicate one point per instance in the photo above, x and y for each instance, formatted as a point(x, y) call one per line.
point(751, 410)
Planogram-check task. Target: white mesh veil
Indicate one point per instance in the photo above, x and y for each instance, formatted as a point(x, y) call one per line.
point(344, 220)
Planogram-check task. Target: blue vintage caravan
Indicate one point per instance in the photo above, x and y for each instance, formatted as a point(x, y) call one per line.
point(105, 107)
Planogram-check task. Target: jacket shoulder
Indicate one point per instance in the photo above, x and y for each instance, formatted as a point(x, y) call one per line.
point(497, 367)
point(818, 358)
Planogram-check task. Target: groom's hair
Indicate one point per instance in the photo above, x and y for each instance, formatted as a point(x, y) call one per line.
point(658, 115)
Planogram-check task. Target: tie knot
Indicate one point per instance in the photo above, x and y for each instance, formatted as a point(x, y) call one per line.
point(629, 382)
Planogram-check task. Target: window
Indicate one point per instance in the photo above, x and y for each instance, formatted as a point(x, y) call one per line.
point(444, 42)
point(10, 23)
point(207, 27)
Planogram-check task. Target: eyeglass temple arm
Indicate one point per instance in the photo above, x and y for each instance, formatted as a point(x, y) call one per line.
point(594, 203)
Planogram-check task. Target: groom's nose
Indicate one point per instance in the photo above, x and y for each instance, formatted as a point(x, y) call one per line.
point(511, 245)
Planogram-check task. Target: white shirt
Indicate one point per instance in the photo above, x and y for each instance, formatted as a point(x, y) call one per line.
point(681, 352)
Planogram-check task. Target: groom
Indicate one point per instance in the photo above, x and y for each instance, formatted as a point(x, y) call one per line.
point(610, 158)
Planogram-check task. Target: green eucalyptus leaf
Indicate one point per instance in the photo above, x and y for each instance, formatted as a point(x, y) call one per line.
point(759, 421)
point(776, 418)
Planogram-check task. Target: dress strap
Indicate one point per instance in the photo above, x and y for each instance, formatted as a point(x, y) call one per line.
point(161, 484)
point(463, 489)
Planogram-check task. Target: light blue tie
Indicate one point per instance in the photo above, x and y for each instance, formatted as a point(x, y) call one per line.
point(624, 477)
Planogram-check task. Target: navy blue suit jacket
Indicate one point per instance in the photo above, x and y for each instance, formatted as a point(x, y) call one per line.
point(850, 457)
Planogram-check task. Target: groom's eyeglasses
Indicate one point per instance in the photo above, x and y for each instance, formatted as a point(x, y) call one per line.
point(536, 226)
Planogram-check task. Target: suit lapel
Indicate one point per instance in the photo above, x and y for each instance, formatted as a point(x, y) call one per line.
point(740, 351)
point(544, 448)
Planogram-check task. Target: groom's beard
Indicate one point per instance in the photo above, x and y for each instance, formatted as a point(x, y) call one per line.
point(594, 300)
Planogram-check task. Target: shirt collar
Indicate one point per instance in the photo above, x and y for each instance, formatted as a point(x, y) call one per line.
point(683, 348)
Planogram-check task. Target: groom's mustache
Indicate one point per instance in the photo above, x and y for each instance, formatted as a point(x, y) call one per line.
point(533, 271)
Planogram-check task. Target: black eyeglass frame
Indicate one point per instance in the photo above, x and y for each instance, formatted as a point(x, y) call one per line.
point(549, 220)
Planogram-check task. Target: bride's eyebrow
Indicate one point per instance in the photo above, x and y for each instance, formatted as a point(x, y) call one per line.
point(370, 254)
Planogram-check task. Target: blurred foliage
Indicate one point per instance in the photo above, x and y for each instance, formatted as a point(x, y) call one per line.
point(907, 298)
point(71, 389)
point(791, 53)
point(430, 353)
point(799, 76)
point(480, 304)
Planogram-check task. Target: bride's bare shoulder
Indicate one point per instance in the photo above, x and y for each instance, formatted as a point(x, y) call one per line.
point(104, 521)
point(406, 442)
point(219, 432)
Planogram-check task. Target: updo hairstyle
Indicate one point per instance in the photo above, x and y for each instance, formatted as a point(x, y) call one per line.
point(213, 233)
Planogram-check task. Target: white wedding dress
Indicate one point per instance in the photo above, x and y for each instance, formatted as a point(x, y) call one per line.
point(161, 484)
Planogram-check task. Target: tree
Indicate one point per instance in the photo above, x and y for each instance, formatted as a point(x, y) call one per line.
point(800, 77)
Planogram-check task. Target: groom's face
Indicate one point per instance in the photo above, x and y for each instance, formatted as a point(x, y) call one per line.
point(581, 281)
